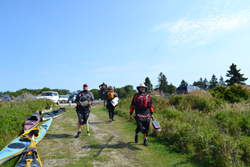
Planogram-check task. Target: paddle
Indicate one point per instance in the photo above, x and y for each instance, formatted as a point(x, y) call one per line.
point(35, 163)
point(22, 162)
point(156, 125)
point(88, 128)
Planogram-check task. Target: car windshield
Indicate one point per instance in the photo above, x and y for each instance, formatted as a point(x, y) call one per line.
point(46, 94)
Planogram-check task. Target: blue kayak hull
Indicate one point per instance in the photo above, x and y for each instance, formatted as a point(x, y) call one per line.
point(8, 153)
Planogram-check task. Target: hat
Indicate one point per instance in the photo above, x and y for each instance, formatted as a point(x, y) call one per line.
point(85, 85)
point(142, 85)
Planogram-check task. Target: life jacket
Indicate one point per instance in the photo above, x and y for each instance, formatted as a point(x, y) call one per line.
point(103, 87)
point(142, 101)
point(110, 95)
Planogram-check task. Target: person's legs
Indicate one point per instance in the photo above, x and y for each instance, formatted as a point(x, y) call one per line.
point(87, 112)
point(82, 119)
point(110, 114)
point(145, 131)
point(80, 115)
point(113, 113)
point(137, 131)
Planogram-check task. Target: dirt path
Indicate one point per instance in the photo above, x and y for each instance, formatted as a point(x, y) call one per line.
point(105, 146)
point(110, 144)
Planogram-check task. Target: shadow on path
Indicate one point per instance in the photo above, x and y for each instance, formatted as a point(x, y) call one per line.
point(95, 123)
point(119, 145)
point(57, 136)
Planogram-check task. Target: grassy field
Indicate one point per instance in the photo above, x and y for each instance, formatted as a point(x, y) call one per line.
point(110, 144)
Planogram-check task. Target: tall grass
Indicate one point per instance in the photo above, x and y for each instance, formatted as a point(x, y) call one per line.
point(207, 128)
point(13, 116)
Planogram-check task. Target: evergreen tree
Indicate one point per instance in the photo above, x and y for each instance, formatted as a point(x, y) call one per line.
point(171, 88)
point(213, 82)
point(148, 84)
point(235, 76)
point(163, 83)
point(205, 83)
point(221, 81)
point(201, 83)
point(183, 83)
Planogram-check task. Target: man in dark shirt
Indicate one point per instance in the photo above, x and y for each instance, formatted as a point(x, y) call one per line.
point(83, 100)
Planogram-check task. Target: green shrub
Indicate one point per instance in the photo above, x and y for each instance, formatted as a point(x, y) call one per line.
point(234, 93)
point(13, 116)
point(197, 100)
point(219, 135)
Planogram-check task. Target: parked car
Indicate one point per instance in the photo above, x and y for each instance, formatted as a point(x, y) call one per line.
point(72, 98)
point(5, 97)
point(51, 95)
point(23, 97)
point(186, 89)
point(64, 98)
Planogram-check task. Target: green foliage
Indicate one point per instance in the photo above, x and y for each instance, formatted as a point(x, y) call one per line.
point(235, 76)
point(203, 84)
point(148, 84)
point(126, 91)
point(213, 82)
point(234, 93)
point(218, 135)
point(183, 83)
point(96, 93)
point(195, 102)
point(34, 92)
point(162, 83)
point(13, 115)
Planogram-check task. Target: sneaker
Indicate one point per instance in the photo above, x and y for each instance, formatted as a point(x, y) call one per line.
point(78, 134)
point(145, 143)
point(113, 119)
point(110, 120)
point(88, 133)
point(136, 138)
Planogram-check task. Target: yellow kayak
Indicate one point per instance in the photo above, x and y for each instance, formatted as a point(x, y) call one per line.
point(46, 109)
point(30, 157)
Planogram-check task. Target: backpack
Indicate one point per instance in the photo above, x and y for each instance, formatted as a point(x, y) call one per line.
point(142, 101)
point(110, 95)
point(103, 87)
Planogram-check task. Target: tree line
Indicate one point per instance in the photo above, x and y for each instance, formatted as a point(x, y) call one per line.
point(233, 74)
point(35, 92)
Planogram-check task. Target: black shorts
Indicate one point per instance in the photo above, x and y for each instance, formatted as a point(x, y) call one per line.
point(142, 124)
point(83, 116)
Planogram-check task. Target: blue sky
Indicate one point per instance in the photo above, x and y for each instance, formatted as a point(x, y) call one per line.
point(64, 44)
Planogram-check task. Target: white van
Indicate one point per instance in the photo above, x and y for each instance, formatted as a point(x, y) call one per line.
point(51, 95)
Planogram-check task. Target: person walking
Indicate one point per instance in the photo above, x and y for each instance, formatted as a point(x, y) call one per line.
point(83, 100)
point(103, 88)
point(143, 106)
point(109, 96)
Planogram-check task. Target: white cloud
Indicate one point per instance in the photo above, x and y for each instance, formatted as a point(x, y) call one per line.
point(203, 29)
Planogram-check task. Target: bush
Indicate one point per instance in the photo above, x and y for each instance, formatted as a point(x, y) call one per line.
point(197, 100)
point(234, 93)
point(13, 116)
point(219, 135)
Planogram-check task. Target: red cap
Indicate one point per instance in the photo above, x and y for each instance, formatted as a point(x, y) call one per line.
point(85, 85)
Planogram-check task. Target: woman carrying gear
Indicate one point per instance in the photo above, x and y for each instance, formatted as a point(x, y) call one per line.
point(143, 105)
point(83, 100)
point(109, 96)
